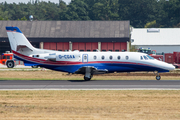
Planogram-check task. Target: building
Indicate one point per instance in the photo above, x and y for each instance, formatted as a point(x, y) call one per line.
point(163, 40)
point(71, 35)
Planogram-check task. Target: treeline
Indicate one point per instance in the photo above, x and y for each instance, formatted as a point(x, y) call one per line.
point(141, 13)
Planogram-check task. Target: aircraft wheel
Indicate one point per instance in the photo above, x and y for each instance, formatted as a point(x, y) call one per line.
point(86, 78)
point(158, 77)
point(10, 64)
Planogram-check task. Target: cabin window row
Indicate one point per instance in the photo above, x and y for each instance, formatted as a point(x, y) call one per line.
point(111, 57)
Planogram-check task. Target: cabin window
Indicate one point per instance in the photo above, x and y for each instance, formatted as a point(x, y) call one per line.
point(103, 50)
point(8, 57)
point(127, 57)
point(145, 58)
point(118, 57)
point(4, 57)
point(37, 55)
point(102, 57)
point(116, 50)
point(110, 57)
point(59, 50)
point(88, 50)
point(110, 50)
point(95, 57)
point(81, 50)
point(95, 50)
point(141, 58)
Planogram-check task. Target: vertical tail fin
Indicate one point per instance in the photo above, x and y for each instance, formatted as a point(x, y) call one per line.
point(18, 40)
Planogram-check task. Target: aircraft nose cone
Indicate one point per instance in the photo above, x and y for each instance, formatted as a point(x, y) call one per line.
point(171, 67)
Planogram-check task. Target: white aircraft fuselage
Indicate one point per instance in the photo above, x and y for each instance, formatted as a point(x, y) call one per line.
point(87, 63)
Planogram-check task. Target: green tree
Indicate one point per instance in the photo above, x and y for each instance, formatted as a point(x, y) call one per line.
point(170, 10)
point(152, 24)
point(102, 10)
point(77, 10)
point(24, 18)
point(4, 15)
point(139, 12)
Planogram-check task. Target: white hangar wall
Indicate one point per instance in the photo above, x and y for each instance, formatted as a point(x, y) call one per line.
point(165, 40)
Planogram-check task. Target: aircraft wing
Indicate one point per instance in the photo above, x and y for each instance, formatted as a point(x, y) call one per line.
point(94, 70)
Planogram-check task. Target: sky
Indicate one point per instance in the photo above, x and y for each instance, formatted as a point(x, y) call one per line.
point(26, 1)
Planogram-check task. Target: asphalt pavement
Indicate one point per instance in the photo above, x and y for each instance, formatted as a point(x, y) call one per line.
point(89, 85)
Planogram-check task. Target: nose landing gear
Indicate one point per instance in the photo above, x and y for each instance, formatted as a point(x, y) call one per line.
point(158, 77)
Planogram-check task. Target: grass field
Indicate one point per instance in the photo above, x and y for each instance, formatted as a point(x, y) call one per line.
point(90, 105)
point(54, 75)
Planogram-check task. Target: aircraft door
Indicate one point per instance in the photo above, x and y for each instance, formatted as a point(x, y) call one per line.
point(85, 58)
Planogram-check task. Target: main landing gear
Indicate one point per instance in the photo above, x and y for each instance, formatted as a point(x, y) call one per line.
point(88, 74)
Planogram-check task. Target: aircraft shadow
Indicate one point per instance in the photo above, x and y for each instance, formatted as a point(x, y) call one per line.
point(77, 81)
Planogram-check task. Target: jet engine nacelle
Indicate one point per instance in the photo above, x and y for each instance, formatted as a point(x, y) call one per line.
point(51, 57)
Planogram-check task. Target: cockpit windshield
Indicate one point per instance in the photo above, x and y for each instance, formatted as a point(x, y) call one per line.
point(146, 58)
point(150, 57)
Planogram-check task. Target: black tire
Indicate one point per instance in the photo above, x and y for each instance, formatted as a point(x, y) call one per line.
point(158, 77)
point(86, 78)
point(10, 64)
point(35, 66)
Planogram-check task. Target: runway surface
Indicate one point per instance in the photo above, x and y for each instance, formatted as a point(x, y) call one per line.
point(88, 85)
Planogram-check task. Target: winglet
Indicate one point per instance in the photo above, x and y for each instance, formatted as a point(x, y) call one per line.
point(13, 29)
